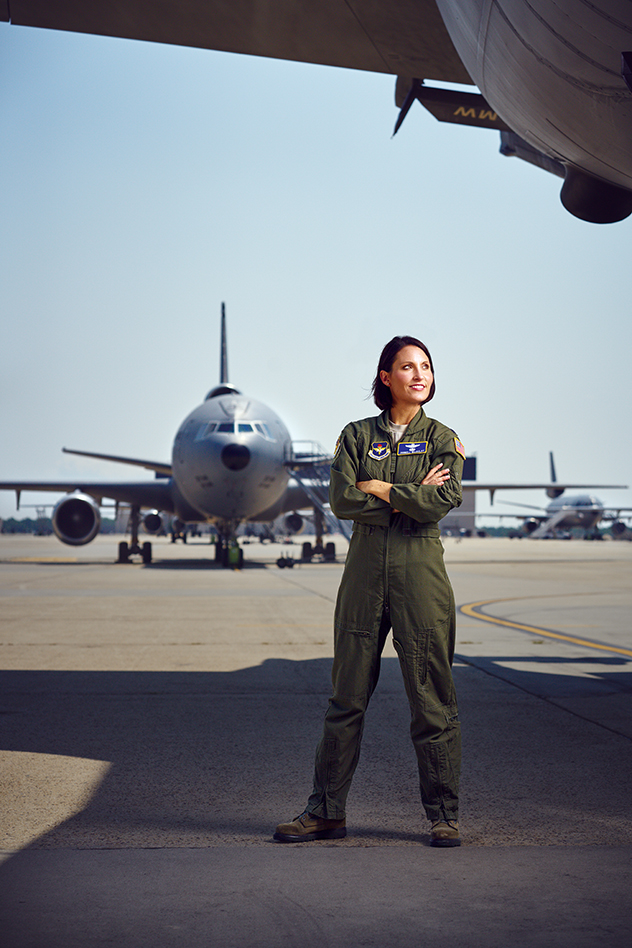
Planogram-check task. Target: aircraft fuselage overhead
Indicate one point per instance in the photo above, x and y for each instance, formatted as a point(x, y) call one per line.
point(555, 72)
point(556, 78)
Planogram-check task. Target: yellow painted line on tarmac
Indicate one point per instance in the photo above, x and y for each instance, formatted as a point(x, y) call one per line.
point(42, 559)
point(473, 610)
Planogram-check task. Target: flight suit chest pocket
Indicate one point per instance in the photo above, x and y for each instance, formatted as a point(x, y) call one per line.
point(375, 460)
point(413, 466)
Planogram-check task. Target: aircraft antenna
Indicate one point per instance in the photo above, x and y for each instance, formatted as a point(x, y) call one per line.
point(223, 365)
point(553, 477)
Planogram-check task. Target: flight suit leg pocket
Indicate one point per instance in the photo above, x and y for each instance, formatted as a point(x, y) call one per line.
point(413, 650)
point(353, 671)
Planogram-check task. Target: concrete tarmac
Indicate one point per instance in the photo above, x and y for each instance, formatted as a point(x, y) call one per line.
point(158, 721)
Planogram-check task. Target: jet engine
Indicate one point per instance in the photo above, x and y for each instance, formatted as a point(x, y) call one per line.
point(152, 522)
point(618, 528)
point(76, 519)
point(531, 524)
point(294, 523)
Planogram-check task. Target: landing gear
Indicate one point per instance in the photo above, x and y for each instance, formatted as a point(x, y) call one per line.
point(318, 552)
point(228, 552)
point(133, 548)
point(285, 561)
point(123, 552)
point(178, 530)
point(322, 553)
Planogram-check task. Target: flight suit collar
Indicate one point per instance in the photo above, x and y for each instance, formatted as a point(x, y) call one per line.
point(418, 422)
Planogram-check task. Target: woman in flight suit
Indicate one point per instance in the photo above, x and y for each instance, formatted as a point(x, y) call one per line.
point(395, 475)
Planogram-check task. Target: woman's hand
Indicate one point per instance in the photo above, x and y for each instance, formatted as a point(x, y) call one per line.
point(437, 477)
point(379, 489)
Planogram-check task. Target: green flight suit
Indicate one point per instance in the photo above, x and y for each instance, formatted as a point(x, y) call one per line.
point(394, 577)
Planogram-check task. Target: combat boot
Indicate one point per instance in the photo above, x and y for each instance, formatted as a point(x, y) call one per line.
point(306, 827)
point(445, 833)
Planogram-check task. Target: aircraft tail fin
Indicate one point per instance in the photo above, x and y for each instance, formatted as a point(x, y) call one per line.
point(224, 387)
point(223, 365)
point(553, 492)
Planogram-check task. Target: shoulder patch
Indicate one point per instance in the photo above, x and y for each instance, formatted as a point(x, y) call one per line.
point(459, 447)
point(338, 443)
point(412, 447)
point(379, 450)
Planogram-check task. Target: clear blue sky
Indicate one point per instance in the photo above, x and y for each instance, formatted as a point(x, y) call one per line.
point(145, 184)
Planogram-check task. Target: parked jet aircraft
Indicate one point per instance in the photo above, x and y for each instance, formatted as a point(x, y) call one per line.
point(231, 462)
point(565, 513)
point(555, 78)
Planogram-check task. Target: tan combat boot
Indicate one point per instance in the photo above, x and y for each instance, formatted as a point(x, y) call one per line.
point(445, 833)
point(306, 827)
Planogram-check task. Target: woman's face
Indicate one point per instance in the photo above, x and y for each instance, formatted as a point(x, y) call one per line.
point(410, 378)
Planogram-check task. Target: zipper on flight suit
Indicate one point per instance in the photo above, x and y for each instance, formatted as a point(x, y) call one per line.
point(392, 466)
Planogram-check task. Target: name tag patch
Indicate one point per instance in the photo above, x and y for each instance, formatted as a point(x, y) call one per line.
point(379, 450)
point(412, 447)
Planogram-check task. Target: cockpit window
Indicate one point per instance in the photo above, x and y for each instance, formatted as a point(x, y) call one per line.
point(240, 427)
point(263, 429)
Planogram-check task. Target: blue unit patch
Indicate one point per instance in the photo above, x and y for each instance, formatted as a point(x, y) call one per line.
point(412, 447)
point(379, 450)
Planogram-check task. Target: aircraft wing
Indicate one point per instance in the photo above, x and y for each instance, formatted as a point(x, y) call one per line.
point(151, 494)
point(159, 467)
point(402, 37)
point(554, 487)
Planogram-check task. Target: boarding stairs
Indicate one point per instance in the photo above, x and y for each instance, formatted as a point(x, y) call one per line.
point(547, 527)
point(310, 466)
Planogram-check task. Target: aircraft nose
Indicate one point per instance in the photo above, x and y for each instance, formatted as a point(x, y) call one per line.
point(236, 456)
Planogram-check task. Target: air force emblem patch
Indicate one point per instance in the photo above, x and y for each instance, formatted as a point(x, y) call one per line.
point(412, 447)
point(379, 450)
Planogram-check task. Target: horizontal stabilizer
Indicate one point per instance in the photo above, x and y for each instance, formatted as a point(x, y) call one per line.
point(448, 105)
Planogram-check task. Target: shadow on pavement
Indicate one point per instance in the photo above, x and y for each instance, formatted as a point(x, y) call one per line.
point(206, 759)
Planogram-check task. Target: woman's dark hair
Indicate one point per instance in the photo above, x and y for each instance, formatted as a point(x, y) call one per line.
point(381, 393)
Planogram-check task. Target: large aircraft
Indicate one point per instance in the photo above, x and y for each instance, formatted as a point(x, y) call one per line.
point(554, 78)
point(233, 460)
point(565, 513)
